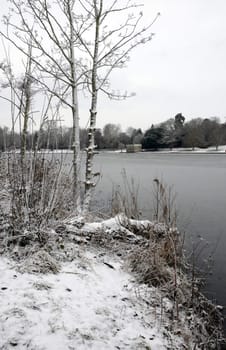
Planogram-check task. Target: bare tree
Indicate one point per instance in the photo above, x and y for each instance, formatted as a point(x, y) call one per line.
point(216, 136)
point(193, 135)
point(19, 96)
point(53, 47)
point(109, 49)
point(78, 43)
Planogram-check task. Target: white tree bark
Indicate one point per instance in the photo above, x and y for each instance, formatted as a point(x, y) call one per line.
point(111, 47)
point(89, 181)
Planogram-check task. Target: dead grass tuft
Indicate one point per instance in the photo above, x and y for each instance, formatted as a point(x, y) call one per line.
point(161, 263)
point(155, 262)
point(40, 262)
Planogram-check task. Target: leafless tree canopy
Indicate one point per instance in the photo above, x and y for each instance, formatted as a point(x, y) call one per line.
point(73, 46)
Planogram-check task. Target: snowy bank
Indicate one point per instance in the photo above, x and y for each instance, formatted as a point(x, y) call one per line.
point(104, 292)
point(86, 306)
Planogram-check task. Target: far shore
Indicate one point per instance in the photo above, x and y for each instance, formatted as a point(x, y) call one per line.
point(196, 150)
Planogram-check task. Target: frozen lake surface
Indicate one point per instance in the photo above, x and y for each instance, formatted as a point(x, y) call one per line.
point(200, 183)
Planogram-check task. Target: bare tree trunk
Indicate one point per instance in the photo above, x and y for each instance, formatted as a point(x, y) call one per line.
point(75, 119)
point(76, 151)
point(89, 181)
point(26, 106)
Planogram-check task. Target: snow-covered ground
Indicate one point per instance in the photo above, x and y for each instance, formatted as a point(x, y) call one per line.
point(88, 305)
point(212, 149)
point(221, 149)
point(91, 300)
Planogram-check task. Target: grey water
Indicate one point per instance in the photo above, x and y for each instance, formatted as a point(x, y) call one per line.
point(200, 183)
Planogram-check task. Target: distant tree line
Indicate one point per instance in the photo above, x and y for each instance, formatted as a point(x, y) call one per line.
point(172, 133)
point(175, 132)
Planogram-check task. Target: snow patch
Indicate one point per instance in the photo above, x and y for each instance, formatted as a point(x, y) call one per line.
point(91, 307)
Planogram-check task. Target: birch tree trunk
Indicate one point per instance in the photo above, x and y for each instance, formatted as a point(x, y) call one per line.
point(75, 118)
point(89, 181)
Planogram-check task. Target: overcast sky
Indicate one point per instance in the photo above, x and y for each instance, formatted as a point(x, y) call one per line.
point(183, 69)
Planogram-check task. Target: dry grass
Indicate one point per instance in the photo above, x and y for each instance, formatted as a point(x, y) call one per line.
point(155, 263)
point(161, 263)
point(40, 262)
point(125, 198)
point(31, 199)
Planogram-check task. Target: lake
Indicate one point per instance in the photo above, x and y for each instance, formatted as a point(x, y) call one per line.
point(200, 183)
